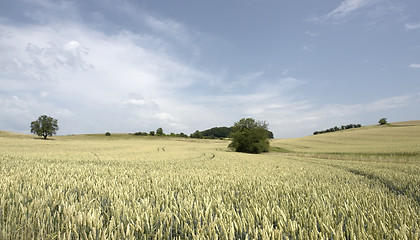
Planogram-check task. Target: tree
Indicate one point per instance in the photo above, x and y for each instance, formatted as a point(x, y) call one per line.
point(196, 134)
point(250, 136)
point(159, 132)
point(44, 126)
point(382, 121)
point(183, 135)
point(217, 132)
point(152, 133)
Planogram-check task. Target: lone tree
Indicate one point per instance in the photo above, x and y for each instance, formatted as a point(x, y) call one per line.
point(44, 126)
point(382, 121)
point(250, 136)
point(159, 132)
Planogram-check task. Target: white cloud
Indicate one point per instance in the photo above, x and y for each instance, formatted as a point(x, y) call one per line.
point(414, 65)
point(137, 77)
point(167, 26)
point(344, 9)
point(411, 26)
point(242, 81)
point(390, 103)
point(83, 72)
point(312, 34)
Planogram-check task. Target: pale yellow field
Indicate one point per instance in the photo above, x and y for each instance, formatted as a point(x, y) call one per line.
point(398, 141)
point(130, 187)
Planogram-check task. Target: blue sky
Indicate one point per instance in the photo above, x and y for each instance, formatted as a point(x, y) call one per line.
point(128, 66)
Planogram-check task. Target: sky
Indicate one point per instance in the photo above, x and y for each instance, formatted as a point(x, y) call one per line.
point(127, 66)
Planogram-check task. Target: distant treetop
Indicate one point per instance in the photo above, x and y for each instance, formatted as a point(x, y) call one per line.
point(382, 121)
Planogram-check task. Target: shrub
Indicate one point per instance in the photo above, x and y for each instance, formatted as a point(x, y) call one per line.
point(250, 136)
point(382, 121)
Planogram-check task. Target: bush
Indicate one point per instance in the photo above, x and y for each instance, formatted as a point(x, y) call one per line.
point(382, 121)
point(141, 134)
point(250, 136)
point(196, 134)
point(107, 134)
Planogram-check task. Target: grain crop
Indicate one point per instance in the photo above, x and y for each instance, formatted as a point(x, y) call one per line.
point(130, 187)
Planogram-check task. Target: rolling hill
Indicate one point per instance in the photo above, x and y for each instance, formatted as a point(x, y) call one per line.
point(400, 140)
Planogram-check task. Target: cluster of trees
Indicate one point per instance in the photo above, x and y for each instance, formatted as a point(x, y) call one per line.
point(335, 129)
point(159, 132)
point(219, 132)
point(213, 133)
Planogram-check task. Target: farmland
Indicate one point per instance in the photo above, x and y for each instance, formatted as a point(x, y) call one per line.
point(355, 184)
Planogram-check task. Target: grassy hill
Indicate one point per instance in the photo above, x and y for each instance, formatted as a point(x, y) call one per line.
point(399, 141)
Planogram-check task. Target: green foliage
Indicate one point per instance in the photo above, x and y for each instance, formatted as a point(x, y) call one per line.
point(183, 135)
point(107, 134)
point(382, 121)
point(250, 136)
point(44, 126)
point(196, 134)
point(159, 132)
point(335, 129)
point(217, 132)
point(152, 133)
point(141, 134)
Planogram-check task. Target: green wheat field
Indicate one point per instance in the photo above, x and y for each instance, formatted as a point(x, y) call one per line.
point(354, 184)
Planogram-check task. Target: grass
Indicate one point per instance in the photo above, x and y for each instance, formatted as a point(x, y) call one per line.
point(132, 187)
point(394, 142)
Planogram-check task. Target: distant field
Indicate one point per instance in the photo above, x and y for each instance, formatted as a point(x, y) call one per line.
point(394, 142)
point(131, 187)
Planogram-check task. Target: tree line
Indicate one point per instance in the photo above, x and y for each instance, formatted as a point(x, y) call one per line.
point(247, 135)
point(159, 132)
point(335, 129)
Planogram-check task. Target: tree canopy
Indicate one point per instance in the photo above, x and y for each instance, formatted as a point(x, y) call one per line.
point(250, 136)
point(159, 132)
point(382, 121)
point(44, 126)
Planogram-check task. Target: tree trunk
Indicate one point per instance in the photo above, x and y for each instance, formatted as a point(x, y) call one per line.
point(45, 136)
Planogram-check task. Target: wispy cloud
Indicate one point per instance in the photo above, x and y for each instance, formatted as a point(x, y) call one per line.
point(411, 26)
point(312, 34)
point(345, 9)
point(414, 65)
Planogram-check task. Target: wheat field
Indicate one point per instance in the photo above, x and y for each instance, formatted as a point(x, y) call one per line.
point(131, 187)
